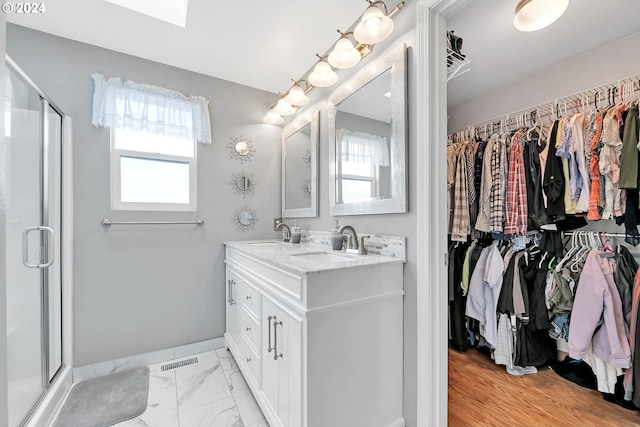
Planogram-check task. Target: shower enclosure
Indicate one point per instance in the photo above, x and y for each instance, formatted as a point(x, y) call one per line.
point(32, 161)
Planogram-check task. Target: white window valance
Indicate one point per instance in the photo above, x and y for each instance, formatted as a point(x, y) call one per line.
point(362, 147)
point(149, 108)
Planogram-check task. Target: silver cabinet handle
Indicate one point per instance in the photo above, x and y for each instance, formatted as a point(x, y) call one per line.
point(248, 329)
point(269, 348)
point(248, 360)
point(230, 284)
point(275, 340)
point(248, 297)
point(50, 247)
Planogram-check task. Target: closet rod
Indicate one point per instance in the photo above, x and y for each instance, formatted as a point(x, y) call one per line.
point(571, 233)
point(592, 95)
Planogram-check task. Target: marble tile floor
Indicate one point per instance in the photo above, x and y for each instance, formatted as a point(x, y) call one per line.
point(211, 393)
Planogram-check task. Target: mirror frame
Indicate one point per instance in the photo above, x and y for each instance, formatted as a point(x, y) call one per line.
point(309, 118)
point(396, 59)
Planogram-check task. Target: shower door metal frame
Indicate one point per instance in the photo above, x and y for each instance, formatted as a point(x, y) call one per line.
point(45, 240)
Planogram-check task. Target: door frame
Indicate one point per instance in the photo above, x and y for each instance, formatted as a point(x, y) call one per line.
point(432, 336)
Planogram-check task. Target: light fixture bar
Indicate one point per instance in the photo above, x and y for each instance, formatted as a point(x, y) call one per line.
point(362, 48)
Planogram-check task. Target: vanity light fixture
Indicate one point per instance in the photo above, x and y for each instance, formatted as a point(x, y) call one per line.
point(374, 26)
point(273, 118)
point(533, 15)
point(284, 108)
point(344, 55)
point(296, 95)
point(322, 75)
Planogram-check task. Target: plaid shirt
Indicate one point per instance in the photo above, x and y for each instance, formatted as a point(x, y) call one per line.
point(461, 227)
point(517, 213)
point(496, 199)
point(484, 205)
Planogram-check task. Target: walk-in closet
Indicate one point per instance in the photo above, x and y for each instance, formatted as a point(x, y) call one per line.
point(543, 212)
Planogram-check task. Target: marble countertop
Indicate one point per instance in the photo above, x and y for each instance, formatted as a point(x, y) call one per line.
point(305, 257)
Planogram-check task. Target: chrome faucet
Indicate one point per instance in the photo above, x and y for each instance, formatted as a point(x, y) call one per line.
point(286, 231)
point(352, 243)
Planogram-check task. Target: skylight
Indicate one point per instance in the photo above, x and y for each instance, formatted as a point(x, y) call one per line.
point(171, 11)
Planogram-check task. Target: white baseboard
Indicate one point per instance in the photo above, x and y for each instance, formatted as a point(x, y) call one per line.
point(138, 361)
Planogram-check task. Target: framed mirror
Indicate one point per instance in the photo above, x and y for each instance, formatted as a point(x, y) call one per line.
point(368, 139)
point(300, 167)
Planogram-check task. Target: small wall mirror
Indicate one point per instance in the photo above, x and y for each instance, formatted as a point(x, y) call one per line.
point(367, 130)
point(241, 149)
point(245, 218)
point(243, 183)
point(300, 167)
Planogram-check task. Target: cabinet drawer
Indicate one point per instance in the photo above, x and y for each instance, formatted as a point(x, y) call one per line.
point(251, 329)
point(251, 299)
point(252, 361)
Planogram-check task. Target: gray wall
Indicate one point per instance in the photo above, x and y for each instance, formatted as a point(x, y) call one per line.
point(391, 224)
point(607, 64)
point(3, 283)
point(146, 288)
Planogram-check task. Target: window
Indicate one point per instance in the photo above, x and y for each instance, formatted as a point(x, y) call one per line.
point(154, 132)
point(152, 171)
point(358, 181)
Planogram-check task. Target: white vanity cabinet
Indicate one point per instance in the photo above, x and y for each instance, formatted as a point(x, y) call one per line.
point(319, 344)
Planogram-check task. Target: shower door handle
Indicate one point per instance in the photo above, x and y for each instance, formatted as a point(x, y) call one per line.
point(50, 246)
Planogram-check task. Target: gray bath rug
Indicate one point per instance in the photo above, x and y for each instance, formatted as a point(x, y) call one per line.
point(107, 400)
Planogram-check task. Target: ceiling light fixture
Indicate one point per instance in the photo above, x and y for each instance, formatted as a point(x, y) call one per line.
point(375, 25)
point(533, 15)
point(323, 75)
point(344, 55)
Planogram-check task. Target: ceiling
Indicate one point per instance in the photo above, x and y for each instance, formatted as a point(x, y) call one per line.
point(263, 44)
point(256, 43)
point(499, 54)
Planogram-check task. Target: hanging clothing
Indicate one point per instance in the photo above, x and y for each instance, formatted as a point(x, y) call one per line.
point(598, 299)
point(517, 215)
point(484, 290)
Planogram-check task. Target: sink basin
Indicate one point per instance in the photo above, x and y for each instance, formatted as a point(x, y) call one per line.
point(274, 243)
point(323, 257)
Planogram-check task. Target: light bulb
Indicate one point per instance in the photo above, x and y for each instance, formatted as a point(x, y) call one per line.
point(273, 118)
point(374, 26)
point(344, 55)
point(323, 75)
point(296, 96)
point(283, 108)
point(533, 15)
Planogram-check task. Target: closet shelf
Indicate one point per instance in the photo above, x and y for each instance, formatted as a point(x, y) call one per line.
point(456, 65)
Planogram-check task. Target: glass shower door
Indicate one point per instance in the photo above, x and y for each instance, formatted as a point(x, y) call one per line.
point(32, 170)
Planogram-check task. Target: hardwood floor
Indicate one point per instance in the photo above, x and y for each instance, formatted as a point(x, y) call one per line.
point(483, 394)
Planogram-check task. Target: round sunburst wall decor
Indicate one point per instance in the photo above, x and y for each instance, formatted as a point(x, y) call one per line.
point(241, 149)
point(243, 183)
point(245, 218)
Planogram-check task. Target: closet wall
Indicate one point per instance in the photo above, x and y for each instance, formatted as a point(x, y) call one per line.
point(604, 65)
point(145, 288)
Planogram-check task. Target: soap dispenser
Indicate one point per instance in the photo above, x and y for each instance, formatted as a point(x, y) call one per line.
point(336, 237)
point(295, 233)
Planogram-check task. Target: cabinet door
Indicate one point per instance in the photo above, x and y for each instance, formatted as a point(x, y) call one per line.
point(233, 308)
point(269, 362)
point(282, 366)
